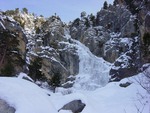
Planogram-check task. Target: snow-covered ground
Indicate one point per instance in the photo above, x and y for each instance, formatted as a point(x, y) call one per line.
point(110, 99)
point(26, 97)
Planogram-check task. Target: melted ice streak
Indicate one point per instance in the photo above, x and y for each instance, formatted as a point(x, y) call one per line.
point(93, 71)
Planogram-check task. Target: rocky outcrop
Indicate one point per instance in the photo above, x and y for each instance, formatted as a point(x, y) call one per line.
point(76, 106)
point(112, 34)
point(98, 37)
point(105, 35)
point(107, 18)
point(57, 50)
point(9, 27)
point(143, 15)
point(10, 24)
point(127, 64)
point(5, 108)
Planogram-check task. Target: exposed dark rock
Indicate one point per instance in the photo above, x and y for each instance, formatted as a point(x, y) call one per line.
point(117, 75)
point(125, 66)
point(76, 106)
point(125, 84)
point(70, 60)
point(112, 34)
point(55, 50)
point(107, 18)
point(5, 108)
point(67, 84)
point(11, 28)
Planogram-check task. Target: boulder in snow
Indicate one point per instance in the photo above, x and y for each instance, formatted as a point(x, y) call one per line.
point(75, 106)
point(5, 108)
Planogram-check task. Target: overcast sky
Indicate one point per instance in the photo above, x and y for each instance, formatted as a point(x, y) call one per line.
point(68, 10)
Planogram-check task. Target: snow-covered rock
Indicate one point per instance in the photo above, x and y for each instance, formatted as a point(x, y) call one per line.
point(75, 106)
point(25, 96)
point(5, 108)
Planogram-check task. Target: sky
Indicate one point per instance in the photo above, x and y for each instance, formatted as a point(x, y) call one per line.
point(68, 10)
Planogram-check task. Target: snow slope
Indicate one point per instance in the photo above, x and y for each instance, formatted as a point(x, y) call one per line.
point(109, 99)
point(25, 96)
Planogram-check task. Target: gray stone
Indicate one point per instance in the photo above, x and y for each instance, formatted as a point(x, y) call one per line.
point(117, 75)
point(68, 84)
point(114, 18)
point(57, 56)
point(125, 66)
point(70, 60)
point(124, 85)
point(5, 108)
point(13, 27)
point(76, 106)
point(129, 29)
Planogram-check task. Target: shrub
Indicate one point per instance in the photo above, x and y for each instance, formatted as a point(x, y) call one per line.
point(76, 22)
point(10, 12)
point(8, 69)
point(87, 23)
point(146, 39)
point(56, 80)
point(35, 69)
point(25, 10)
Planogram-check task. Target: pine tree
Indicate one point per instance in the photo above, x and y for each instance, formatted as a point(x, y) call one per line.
point(35, 69)
point(56, 81)
point(115, 2)
point(17, 10)
point(105, 5)
point(25, 10)
point(87, 23)
point(8, 69)
point(146, 41)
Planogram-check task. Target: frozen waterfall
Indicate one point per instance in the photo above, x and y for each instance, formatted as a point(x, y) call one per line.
point(93, 71)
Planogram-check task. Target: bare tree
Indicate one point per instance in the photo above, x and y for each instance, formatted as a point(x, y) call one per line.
point(144, 81)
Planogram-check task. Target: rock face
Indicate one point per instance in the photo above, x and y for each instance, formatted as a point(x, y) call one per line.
point(128, 63)
point(114, 39)
point(112, 34)
point(76, 106)
point(105, 35)
point(96, 32)
point(107, 18)
point(11, 28)
point(58, 52)
point(144, 26)
point(5, 108)
point(141, 10)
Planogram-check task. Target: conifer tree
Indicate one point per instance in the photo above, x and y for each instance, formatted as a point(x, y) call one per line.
point(115, 2)
point(35, 69)
point(105, 5)
point(25, 10)
point(55, 80)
